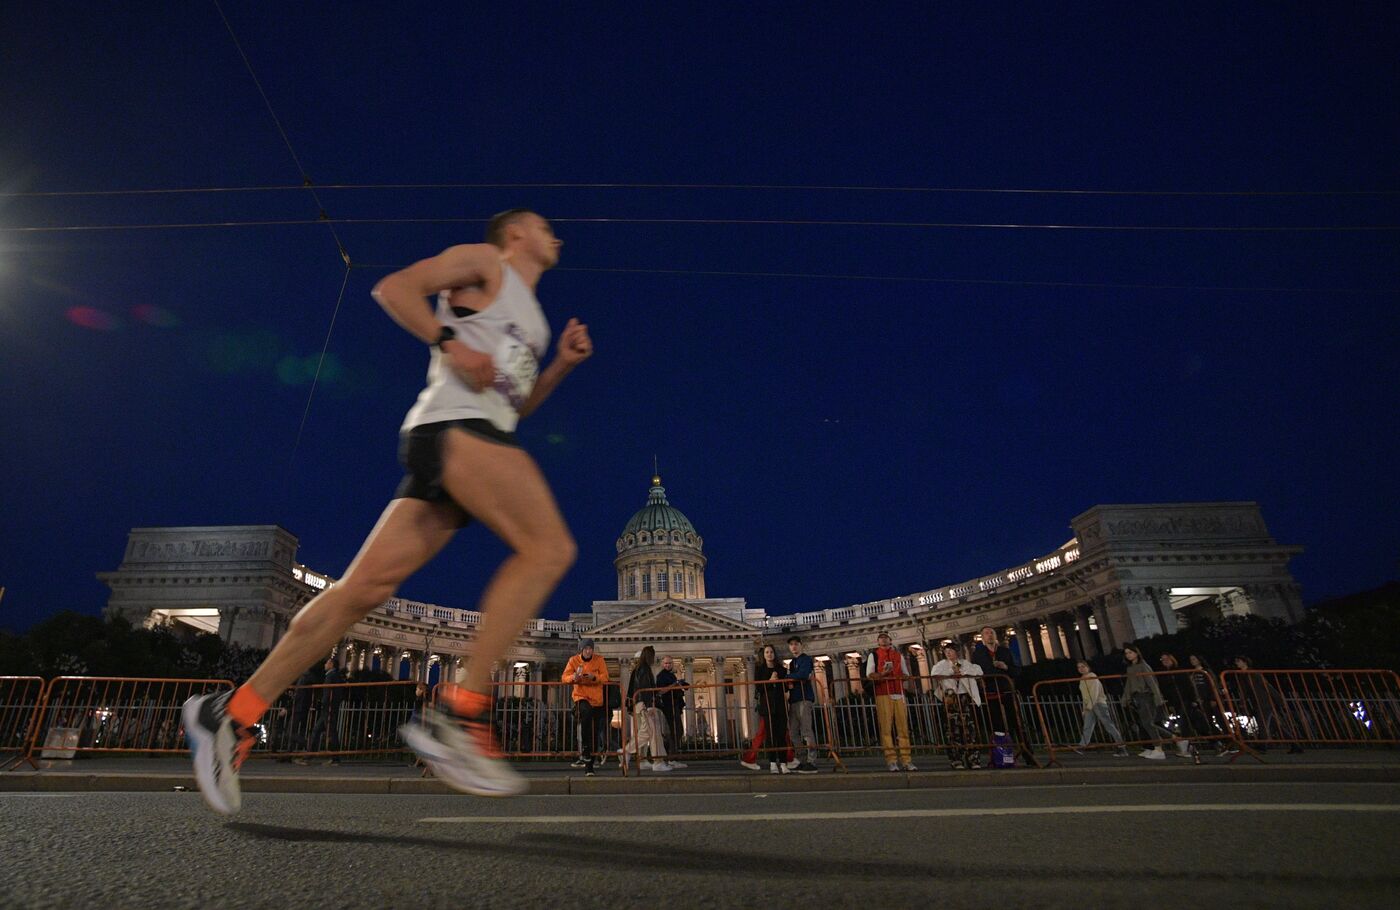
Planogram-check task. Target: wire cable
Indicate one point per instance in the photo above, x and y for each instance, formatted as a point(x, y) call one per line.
point(311, 393)
point(787, 187)
point(919, 279)
point(305, 178)
point(757, 222)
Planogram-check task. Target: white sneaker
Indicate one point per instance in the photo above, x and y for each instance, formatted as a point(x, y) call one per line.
point(1183, 746)
point(792, 765)
point(218, 748)
point(462, 753)
point(909, 766)
point(645, 766)
point(661, 766)
point(1156, 754)
point(894, 767)
point(772, 767)
point(752, 766)
point(677, 764)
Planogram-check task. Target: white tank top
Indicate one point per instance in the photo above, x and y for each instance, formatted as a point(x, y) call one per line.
point(514, 332)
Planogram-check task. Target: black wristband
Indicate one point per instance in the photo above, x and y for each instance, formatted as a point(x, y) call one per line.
point(447, 334)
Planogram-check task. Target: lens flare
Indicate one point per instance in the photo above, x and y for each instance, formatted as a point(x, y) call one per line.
point(152, 315)
point(92, 318)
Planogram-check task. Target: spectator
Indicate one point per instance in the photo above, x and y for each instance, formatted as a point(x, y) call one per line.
point(1177, 691)
point(672, 705)
point(1265, 704)
point(772, 715)
point(998, 662)
point(641, 706)
point(299, 724)
point(1206, 704)
point(328, 724)
point(1143, 698)
point(589, 675)
point(887, 669)
point(1096, 710)
point(956, 680)
point(802, 700)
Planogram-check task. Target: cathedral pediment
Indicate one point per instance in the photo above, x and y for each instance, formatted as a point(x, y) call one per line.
point(670, 617)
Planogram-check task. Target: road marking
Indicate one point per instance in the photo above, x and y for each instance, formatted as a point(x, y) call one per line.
point(908, 813)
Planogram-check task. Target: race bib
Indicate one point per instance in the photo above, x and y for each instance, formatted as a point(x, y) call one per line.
point(516, 371)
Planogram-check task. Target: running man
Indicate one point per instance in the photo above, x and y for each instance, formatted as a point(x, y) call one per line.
point(488, 335)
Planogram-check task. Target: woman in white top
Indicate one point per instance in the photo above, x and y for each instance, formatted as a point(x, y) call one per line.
point(1095, 709)
point(955, 680)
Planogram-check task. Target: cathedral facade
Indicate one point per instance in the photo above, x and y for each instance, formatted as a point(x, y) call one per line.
point(1129, 572)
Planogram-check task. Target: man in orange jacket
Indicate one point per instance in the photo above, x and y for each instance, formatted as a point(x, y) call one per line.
point(589, 674)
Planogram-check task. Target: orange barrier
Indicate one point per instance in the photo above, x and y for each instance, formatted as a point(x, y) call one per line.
point(1319, 707)
point(82, 714)
point(20, 697)
point(1188, 713)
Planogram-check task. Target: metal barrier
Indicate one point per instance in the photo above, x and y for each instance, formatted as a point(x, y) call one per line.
point(336, 720)
point(82, 714)
point(1319, 707)
point(1189, 713)
point(537, 720)
point(20, 697)
point(955, 715)
point(726, 720)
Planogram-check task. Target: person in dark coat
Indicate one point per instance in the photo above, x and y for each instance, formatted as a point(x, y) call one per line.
point(998, 662)
point(671, 703)
point(328, 724)
point(772, 715)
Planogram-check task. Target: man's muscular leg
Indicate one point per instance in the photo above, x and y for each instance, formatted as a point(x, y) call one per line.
point(501, 487)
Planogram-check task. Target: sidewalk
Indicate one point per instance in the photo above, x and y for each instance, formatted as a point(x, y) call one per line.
point(709, 776)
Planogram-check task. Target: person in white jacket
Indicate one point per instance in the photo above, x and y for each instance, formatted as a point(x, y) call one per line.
point(1095, 710)
point(961, 690)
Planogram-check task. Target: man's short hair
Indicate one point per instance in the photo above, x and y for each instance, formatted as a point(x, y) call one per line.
point(794, 639)
point(993, 628)
point(496, 227)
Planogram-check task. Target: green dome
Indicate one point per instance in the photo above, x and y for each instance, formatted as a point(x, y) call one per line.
point(659, 524)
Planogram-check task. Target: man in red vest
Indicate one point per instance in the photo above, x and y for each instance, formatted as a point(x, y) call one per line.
point(887, 669)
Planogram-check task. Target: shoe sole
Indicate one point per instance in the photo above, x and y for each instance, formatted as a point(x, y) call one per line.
point(451, 773)
point(201, 744)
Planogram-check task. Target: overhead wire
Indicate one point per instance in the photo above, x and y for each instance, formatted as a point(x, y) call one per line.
point(793, 187)
point(322, 219)
point(924, 279)
point(758, 222)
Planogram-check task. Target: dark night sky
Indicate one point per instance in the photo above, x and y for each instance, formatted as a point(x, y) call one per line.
point(834, 440)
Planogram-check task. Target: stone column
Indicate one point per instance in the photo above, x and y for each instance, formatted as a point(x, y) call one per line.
point(1088, 647)
point(1052, 633)
point(1275, 601)
point(720, 702)
point(1099, 607)
point(749, 718)
point(688, 714)
point(840, 685)
point(1130, 616)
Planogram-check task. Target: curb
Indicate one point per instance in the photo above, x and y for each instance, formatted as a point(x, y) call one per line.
point(66, 782)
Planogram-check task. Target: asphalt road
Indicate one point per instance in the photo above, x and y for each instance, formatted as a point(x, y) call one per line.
point(1133, 845)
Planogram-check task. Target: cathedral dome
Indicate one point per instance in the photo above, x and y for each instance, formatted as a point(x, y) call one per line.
point(659, 523)
point(659, 555)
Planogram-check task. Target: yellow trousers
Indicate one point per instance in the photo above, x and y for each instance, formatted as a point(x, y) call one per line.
point(893, 712)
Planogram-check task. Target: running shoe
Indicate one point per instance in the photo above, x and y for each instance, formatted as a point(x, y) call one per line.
point(218, 747)
point(806, 768)
point(751, 765)
point(579, 763)
point(462, 753)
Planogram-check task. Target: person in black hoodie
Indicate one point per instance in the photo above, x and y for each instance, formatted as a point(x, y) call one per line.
point(999, 662)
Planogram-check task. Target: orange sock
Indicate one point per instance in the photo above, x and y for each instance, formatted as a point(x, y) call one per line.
point(246, 706)
point(463, 701)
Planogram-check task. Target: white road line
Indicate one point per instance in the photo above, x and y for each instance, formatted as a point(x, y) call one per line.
point(907, 813)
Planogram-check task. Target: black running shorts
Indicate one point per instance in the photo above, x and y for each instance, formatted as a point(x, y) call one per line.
point(420, 452)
